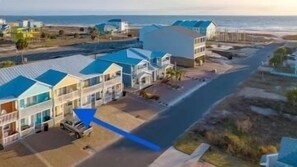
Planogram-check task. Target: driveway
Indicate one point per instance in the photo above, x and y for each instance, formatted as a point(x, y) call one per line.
point(168, 125)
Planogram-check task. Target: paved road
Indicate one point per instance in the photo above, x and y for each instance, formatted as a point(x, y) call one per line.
point(85, 49)
point(166, 127)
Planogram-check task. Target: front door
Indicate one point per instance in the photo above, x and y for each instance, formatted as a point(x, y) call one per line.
point(93, 100)
point(68, 109)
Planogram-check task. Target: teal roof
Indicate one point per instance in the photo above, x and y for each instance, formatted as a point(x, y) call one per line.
point(192, 23)
point(98, 66)
point(16, 87)
point(132, 56)
point(123, 56)
point(288, 151)
point(52, 77)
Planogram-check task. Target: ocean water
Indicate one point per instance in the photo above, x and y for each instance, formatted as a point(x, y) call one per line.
point(253, 23)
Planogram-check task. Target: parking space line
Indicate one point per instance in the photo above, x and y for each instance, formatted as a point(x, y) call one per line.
point(46, 163)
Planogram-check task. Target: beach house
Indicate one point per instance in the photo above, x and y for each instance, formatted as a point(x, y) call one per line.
point(206, 28)
point(187, 47)
point(286, 157)
point(50, 90)
point(30, 24)
point(25, 107)
point(140, 67)
point(2, 21)
point(146, 29)
point(113, 26)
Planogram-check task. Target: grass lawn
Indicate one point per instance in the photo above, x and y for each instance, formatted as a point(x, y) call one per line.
point(221, 159)
point(189, 142)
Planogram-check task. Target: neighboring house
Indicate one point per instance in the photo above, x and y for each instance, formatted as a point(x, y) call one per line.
point(2, 21)
point(4, 28)
point(121, 25)
point(140, 67)
point(30, 24)
point(65, 92)
point(113, 26)
point(50, 89)
point(286, 157)
point(25, 107)
point(146, 29)
point(206, 28)
point(106, 28)
point(187, 47)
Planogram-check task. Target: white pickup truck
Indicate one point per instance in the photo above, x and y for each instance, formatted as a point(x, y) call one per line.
point(76, 126)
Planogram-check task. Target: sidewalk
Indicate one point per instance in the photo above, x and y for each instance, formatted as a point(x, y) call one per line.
point(174, 158)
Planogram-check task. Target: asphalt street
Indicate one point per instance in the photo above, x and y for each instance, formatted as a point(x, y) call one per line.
point(168, 125)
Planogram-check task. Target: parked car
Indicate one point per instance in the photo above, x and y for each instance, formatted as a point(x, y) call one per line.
point(76, 126)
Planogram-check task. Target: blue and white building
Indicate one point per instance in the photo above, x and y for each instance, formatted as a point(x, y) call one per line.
point(113, 26)
point(147, 29)
point(206, 28)
point(140, 67)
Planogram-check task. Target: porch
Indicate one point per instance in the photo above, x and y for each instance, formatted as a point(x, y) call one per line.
point(8, 113)
point(65, 110)
point(142, 80)
point(8, 134)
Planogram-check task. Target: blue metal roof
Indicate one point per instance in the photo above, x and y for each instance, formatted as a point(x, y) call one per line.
point(98, 66)
point(288, 151)
point(16, 87)
point(115, 20)
point(193, 23)
point(123, 57)
point(52, 77)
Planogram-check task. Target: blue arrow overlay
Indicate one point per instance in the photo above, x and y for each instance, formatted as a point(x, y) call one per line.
point(87, 115)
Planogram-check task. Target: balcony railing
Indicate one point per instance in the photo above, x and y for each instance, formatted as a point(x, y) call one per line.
point(113, 81)
point(10, 139)
point(27, 132)
point(67, 97)
point(93, 89)
point(8, 118)
point(32, 110)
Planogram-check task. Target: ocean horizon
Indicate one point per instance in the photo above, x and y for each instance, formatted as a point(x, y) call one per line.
point(248, 23)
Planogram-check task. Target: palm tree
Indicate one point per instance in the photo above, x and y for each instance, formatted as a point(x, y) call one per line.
point(93, 33)
point(21, 44)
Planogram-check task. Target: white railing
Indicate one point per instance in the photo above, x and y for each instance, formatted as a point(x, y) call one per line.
point(113, 81)
point(138, 71)
point(32, 110)
point(8, 118)
point(99, 102)
point(93, 89)
point(67, 97)
point(10, 139)
point(27, 132)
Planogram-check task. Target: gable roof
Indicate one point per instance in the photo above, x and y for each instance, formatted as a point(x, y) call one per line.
point(52, 77)
point(132, 56)
point(193, 23)
point(16, 87)
point(123, 56)
point(97, 66)
point(288, 151)
point(115, 20)
point(181, 30)
point(72, 65)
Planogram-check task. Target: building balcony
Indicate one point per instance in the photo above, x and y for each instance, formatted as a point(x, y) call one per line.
point(67, 97)
point(8, 118)
point(28, 131)
point(34, 109)
point(10, 139)
point(113, 81)
point(93, 89)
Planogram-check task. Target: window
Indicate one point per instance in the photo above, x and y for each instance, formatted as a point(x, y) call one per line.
point(98, 96)
point(46, 115)
point(22, 103)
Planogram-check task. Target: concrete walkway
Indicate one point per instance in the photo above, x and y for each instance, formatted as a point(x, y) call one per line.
point(175, 158)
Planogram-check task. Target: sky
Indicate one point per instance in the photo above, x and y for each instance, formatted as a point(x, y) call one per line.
point(148, 7)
